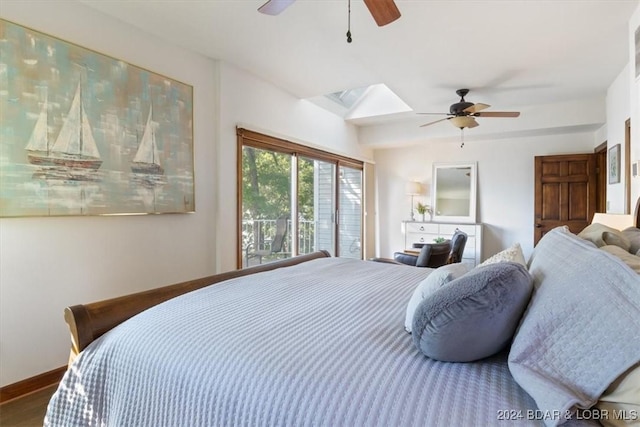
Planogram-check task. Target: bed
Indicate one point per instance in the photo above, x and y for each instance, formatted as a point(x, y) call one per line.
point(317, 340)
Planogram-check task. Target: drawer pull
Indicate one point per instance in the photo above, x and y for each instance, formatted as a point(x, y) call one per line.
point(422, 239)
point(422, 228)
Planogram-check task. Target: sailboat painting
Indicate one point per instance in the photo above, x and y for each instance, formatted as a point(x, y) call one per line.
point(83, 133)
point(147, 159)
point(74, 147)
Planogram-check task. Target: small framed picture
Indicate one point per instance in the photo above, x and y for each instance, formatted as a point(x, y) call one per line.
point(634, 169)
point(614, 164)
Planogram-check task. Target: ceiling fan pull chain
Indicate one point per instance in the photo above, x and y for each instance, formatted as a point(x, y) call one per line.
point(461, 137)
point(349, 23)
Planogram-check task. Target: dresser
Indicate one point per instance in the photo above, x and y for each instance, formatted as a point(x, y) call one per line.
point(426, 232)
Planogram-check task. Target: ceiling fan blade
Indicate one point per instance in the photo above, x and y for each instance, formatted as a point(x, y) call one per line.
point(498, 114)
point(435, 114)
point(476, 107)
point(383, 11)
point(275, 7)
point(437, 121)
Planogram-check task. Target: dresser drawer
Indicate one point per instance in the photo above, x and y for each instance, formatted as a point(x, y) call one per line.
point(422, 227)
point(449, 229)
point(419, 238)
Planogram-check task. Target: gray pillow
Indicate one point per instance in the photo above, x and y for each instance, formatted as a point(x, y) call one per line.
point(631, 260)
point(474, 316)
point(434, 281)
point(633, 234)
point(581, 329)
point(601, 235)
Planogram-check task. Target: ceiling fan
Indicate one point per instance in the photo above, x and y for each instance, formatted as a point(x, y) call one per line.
point(383, 11)
point(463, 114)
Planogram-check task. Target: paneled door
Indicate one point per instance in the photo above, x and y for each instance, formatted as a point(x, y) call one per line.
point(565, 192)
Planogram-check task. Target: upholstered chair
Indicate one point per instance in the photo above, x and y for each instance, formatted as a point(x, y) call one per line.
point(431, 255)
point(458, 242)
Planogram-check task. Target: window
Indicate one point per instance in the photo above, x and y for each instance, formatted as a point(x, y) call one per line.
point(294, 200)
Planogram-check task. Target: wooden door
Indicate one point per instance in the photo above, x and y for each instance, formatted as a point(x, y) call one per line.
point(565, 192)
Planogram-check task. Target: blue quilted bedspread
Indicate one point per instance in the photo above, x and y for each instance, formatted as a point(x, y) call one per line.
point(318, 344)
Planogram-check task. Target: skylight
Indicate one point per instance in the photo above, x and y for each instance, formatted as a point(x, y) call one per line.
point(362, 103)
point(347, 98)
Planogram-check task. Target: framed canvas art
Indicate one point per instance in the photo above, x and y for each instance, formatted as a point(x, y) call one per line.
point(86, 134)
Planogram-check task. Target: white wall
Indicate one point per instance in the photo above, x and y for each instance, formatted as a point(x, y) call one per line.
point(618, 105)
point(47, 264)
point(505, 184)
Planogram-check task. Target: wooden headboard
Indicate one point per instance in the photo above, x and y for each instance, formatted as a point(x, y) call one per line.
point(637, 213)
point(89, 321)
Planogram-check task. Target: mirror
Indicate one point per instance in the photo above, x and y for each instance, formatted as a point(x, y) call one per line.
point(453, 192)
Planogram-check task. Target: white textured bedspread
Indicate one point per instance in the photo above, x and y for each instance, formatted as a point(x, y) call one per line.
point(321, 344)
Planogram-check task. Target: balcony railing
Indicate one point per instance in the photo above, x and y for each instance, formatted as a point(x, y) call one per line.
point(259, 233)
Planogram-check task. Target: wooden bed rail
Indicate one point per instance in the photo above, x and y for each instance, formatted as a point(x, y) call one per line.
point(89, 321)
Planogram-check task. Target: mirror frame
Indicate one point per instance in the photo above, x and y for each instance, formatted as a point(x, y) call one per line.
point(471, 218)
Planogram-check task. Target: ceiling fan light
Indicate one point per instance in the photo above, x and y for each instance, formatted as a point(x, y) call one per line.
point(462, 121)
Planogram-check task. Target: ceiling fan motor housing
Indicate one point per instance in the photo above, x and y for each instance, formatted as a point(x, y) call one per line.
point(458, 108)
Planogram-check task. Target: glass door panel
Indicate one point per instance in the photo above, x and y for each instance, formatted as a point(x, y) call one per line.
point(266, 205)
point(350, 212)
point(316, 206)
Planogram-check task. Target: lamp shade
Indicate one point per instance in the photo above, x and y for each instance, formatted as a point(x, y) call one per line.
point(463, 121)
point(617, 221)
point(413, 188)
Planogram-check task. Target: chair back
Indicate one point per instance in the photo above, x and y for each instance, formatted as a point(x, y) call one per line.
point(458, 242)
point(439, 254)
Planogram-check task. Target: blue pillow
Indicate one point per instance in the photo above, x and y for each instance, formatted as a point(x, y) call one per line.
point(474, 316)
point(436, 279)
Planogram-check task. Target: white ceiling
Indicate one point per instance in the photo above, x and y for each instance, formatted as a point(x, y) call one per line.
point(512, 54)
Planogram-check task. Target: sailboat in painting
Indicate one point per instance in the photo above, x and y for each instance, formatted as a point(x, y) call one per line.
point(38, 145)
point(74, 147)
point(147, 158)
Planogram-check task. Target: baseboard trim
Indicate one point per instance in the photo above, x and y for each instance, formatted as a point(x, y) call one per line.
point(29, 385)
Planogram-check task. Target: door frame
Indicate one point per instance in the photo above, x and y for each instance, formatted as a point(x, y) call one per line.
point(601, 177)
point(627, 166)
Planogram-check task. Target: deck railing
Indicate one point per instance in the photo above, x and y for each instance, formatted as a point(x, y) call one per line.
point(257, 234)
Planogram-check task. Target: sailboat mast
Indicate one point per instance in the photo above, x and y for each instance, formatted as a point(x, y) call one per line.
point(81, 128)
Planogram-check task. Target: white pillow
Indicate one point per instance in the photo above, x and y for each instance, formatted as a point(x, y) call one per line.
point(438, 278)
point(513, 254)
point(622, 398)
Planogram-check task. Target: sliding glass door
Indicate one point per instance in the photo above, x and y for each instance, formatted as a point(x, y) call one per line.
point(350, 213)
point(296, 200)
point(316, 206)
point(266, 205)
